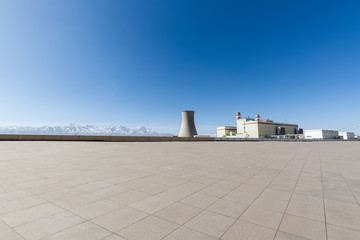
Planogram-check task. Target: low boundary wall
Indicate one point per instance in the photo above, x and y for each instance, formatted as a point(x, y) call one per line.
point(280, 140)
point(18, 137)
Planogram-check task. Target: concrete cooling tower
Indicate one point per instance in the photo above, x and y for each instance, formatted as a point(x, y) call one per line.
point(188, 128)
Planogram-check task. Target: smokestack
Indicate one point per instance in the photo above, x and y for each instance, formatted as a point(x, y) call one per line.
point(188, 128)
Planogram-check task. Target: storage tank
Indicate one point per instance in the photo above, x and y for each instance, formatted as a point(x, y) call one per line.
point(187, 128)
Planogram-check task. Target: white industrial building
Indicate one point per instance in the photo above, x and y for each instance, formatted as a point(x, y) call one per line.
point(346, 135)
point(247, 127)
point(321, 134)
point(226, 131)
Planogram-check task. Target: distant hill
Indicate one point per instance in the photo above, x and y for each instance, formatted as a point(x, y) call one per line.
point(74, 129)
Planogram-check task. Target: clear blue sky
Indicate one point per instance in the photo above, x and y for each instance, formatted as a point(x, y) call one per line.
point(140, 62)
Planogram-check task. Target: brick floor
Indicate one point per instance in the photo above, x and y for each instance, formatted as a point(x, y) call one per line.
point(180, 190)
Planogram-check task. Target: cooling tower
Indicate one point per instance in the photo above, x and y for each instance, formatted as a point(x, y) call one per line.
point(188, 128)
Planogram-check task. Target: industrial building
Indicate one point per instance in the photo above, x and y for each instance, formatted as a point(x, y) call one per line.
point(346, 135)
point(226, 131)
point(321, 134)
point(247, 127)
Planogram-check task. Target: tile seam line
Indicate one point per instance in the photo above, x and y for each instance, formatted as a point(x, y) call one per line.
point(12, 229)
point(322, 190)
point(279, 157)
point(59, 230)
point(355, 230)
point(292, 193)
point(352, 193)
point(183, 225)
point(148, 214)
point(66, 210)
point(151, 195)
point(153, 214)
point(85, 220)
point(75, 226)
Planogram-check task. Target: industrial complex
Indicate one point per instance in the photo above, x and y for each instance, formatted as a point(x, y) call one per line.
point(247, 127)
point(328, 134)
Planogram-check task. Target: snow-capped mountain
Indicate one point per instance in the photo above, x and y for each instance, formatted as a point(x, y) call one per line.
point(74, 129)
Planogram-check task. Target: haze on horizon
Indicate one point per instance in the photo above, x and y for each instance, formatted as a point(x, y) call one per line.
point(140, 63)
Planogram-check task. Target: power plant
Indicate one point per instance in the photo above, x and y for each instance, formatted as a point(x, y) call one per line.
point(187, 128)
point(247, 127)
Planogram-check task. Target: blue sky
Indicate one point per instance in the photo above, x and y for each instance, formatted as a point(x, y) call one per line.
point(142, 62)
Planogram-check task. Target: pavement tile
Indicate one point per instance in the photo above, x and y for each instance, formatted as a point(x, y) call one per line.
point(242, 197)
point(287, 236)
point(242, 230)
point(178, 213)
point(46, 188)
point(35, 183)
point(276, 194)
point(215, 191)
point(199, 200)
point(47, 226)
point(173, 182)
point(344, 207)
point(150, 228)
point(83, 231)
point(303, 227)
point(336, 233)
point(308, 191)
point(307, 200)
point(18, 204)
point(80, 180)
point(151, 204)
point(77, 200)
point(192, 186)
point(129, 197)
point(306, 211)
point(7, 233)
point(343, 219)
point(8, 196)
point(30, 214)
point(93, 186)
point(174, 194)
point(226, 184)
point(183, 233)
point(270, 203)
point(228, 208)
point(210, 223)
point(261, 216)
point(114, 237)
point(97, 208)
point(110, 191)
point(153, 188)
point(62, 193)
point(118, 219)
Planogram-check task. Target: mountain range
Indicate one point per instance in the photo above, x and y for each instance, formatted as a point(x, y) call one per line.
point(75, 129)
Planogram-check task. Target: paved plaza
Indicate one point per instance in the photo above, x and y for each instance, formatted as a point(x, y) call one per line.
point(180, 190)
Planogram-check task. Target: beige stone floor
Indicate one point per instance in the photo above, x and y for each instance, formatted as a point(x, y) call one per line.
point(173, 190)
